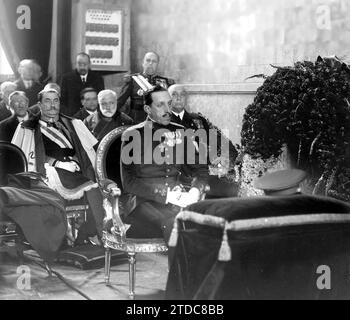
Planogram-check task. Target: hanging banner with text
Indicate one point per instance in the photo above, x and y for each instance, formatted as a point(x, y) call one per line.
point(26, 26)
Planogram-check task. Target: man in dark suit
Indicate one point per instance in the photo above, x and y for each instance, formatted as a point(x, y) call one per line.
point(6, 89)
point(19, 105)
point(106, 118)
point(26, 82)
point(131, 89)
point(180, 115)
point(160, 169)
point(221, 152)
point(74, 82)
point(88, 98)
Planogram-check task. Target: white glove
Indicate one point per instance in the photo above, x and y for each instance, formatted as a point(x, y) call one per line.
point(114, 190)
point(173, 196)
point(69, 166)
point(195, 194)
point(140, 92)
point(183, 199)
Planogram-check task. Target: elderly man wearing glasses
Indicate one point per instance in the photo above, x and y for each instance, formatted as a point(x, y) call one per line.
point(19, 107)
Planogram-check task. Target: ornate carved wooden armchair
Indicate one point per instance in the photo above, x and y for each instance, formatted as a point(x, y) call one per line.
point(108, 170)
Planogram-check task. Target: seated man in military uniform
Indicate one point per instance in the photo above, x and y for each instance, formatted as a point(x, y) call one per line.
point(157, 168)
point(131, 89)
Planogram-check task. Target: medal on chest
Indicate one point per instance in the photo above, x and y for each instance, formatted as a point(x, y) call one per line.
point(170, 140)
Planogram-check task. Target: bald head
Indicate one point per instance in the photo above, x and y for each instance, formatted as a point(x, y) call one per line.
point(178, 96)
point(150, 63)
point(53, 85)
point(37, 71)
point(26, 69)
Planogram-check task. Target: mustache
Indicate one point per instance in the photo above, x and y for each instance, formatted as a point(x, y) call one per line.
point(166, 114)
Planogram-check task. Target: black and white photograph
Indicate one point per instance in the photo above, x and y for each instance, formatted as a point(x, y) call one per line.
point(170, 151)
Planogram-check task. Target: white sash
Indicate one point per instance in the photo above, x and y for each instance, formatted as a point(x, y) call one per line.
point(55, 136)
point(24, 139)
point(87, 140)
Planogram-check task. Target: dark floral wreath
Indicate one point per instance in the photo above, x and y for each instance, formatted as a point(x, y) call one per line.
point(307, 108)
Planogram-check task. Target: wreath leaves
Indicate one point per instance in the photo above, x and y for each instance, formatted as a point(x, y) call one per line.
point(305, 107)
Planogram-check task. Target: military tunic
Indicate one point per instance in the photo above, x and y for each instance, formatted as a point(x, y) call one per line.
point(150, 179)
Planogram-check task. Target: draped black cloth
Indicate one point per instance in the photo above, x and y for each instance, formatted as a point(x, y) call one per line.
point(37, 210)
point(279, 263)
point(33, 43)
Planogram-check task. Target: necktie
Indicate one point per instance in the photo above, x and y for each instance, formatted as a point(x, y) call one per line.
point(177, 118)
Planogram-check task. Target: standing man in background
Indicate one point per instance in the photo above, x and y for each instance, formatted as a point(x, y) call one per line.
point(75, 81)
point(131, 89)
point(28, 80)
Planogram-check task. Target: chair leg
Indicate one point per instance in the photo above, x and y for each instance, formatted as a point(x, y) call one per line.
point(48, 269)
point(70, 233)
point(132, 274)
point(19, 250)
point(72, 223)
point(107, 265)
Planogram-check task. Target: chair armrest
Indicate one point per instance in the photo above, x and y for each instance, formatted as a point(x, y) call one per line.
point(204, 192)
point(113, 222)
point(109, 188)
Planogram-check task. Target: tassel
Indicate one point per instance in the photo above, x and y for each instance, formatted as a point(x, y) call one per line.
point(225, 250)
point(174, 234)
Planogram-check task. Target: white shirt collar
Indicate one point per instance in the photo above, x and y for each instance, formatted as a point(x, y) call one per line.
point(25, 118)
point(181, 114)
point(28, 83)
point(84, 78)
point(43, 123)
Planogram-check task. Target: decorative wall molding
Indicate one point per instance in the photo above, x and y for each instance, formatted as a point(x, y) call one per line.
point(233, 88)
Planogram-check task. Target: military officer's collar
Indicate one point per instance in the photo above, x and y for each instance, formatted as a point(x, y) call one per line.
point(157, 125)
point(149, 76)
point(154, 124)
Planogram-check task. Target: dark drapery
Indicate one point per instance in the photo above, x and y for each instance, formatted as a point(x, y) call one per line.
point(33, 43)
point(279, 263)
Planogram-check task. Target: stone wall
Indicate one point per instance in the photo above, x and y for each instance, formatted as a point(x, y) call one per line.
point(226, 41)
point(223, 105)
point(217, 44)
